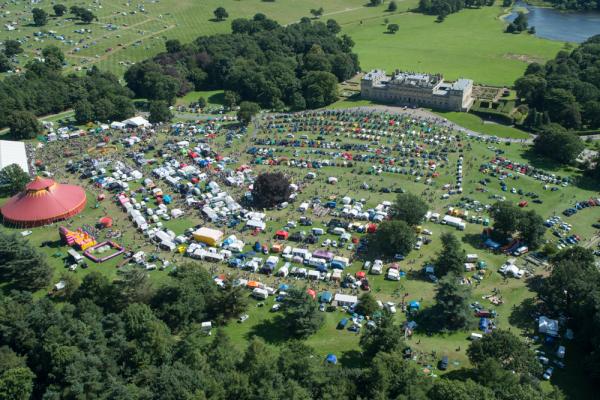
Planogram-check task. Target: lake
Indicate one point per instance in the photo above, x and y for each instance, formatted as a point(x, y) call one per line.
point(564, 26)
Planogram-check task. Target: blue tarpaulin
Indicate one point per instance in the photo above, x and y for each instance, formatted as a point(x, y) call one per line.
point(331, 359)
point(483, 324)
point(491, 244)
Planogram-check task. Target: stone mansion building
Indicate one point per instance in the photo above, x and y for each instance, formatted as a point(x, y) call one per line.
point(421, 90)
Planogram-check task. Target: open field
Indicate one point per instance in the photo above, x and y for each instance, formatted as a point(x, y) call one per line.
point(475, 123)
point(468, 44)
point(263, 323)
point(139, 32)
point(481, 52)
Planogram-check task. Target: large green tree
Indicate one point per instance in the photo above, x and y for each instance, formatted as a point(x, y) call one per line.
point(320, 88)
point(553, 137)
point(452, 304)
point(409, 208)
point(24, 125)
point(367, 305)
point(247, 111)
point(159, 111)
point(507, 349)
point(22, 266)
point(59, 9)
point(301, 314)
point(270, 189)
point(451, 258)
point(4, 63)
point(13, 179)
point(12, 47)
point(40, 17)
point(393, 237)
point(384, 337)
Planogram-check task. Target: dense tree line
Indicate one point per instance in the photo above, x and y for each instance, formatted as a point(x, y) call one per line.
point(575, 4)
point(296, 66)
point(565, 90)
point(573, 291)
point(88, 348)
point(442, 8)
point(44, 89)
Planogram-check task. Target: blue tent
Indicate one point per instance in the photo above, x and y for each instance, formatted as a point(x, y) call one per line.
point(326, 297)
point(483, 324)
point(235, 262)
point(331, 359)
point(283, 287)
point(167, 199)
point(414, 305)
point(257, 246)
point(491, 244)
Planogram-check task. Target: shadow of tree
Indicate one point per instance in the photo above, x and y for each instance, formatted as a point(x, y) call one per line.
point(217, 98)
point(351, 358)
point(473, 239)
point(270, 330)
point(523, 315)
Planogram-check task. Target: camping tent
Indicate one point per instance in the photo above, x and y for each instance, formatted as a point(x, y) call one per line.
point(548, 326)
point(331, 359)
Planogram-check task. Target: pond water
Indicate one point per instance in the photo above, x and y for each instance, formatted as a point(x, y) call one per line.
point(560, 25)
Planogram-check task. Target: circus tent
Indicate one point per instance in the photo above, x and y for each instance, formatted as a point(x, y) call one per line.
point(42, 202)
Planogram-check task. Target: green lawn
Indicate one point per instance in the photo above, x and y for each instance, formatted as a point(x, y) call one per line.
point(141, 34)
point(473, 122)
point(470, 44)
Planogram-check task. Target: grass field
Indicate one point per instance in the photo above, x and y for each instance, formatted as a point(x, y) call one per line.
point(328, 339)
point(473, 122)
point(141, 31)
point(470, 43)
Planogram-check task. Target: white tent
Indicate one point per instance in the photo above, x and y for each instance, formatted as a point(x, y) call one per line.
point(136, 122)
point(13, 153)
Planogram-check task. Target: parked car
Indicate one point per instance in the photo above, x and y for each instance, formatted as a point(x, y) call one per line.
point(443, 364)
point(243, 318)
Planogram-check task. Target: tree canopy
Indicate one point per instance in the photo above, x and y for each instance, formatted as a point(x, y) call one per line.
point(40, 17)
point(270, 189)
point(29, 93)
point(410, 208)
point(247, 111)
point(22, 267)
point(507, 349)
point(393, 237)
point(13, 180)
point(512, 221)
point(301, 313)
point(297, 66)
point(565, 90)
point(159, 111)
point(59, 9)
point(553, 137)
point(451, 258)
point(451, 308)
